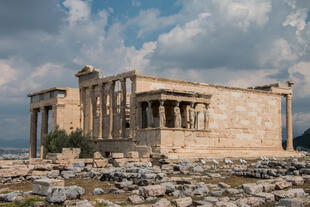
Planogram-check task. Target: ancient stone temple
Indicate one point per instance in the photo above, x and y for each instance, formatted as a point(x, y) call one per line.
point(131, 112)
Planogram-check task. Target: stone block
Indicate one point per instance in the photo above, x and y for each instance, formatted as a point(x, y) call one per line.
point(252, 188)
point(41, 186)
point(291, 202)
point(56, 194)
point(100, 163)
point(115, 155)
point(133, 154)
point(98, 155)
point(152, 191)
point(182, 202)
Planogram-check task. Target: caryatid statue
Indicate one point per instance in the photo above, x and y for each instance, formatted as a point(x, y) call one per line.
point(192, 116)
point(162, 115)
point(206, 117)
point(177, 116)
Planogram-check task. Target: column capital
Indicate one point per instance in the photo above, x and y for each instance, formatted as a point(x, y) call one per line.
point(289, 96)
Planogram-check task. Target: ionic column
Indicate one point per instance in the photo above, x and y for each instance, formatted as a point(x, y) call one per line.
point(89, 113)
point(133, 108)
point(103, 110)
point(84, 105)
point(111, 106)
point(33, 133)
point(93, 112)
point(177, 115)
point(162, 114)
point(44, 128)
point(149, 115)
point(54, 117)
point(123, 108)
point(289, 128)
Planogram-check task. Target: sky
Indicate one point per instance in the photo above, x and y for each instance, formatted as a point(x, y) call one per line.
point(241, 43)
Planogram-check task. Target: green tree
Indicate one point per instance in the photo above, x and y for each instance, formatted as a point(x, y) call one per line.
point(84, 142)
point(57, 139)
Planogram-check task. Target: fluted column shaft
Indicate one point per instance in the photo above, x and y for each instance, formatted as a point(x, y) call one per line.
point(33, 134)
point(123, 107)
point(289, 128)
point(44, 128)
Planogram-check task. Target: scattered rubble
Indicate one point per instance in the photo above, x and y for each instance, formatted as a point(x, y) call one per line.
point(280, 182)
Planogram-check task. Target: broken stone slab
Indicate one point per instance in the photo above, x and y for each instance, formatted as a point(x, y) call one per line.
point(252, 188)
point(53, 174)
point(74, 192)
point(280, 185)
point(152, 191)
point(98, 191)
point(41, 186)
point(67, 174)
point(225, 204)
point(98, 155)
point(135, 199)
point(295, 180)
point(10, 197)
point(250, 201)
point(182, 202)
point(56, 194)
point(267, 196)
point(162, 203)
point(290, 202)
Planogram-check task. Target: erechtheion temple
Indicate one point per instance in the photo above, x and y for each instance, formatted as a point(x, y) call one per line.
point(131, 112)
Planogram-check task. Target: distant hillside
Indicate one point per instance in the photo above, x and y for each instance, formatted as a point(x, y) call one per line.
point(301, 141)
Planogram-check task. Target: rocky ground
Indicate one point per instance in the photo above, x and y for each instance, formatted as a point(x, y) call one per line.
point(160, 183)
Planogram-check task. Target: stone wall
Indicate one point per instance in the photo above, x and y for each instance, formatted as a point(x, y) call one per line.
point(239, 119)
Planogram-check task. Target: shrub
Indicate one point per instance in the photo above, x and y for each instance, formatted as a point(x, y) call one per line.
point(57, 139)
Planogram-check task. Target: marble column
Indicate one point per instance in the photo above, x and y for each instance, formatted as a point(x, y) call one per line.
point(33, 134)
point(133, 108)
point(54, 117)
point(93, 102)
point(149, 115)
point(89, 120)
point(111, 106)
point(84, 106)
point(103, 110)
point(177, 115)
point(123, 108)
point(289, 128)
point(44, 128)
point(162, 114)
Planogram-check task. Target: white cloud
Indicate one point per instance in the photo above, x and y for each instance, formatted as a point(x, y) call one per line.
point(8, 73)
point(296, 19)
point(278, 54)
point(300, 73)
point(244, 12)
point(78, 10)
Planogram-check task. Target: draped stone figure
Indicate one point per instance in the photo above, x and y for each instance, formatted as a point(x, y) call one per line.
point(206, 116)
point(192, 116)
point(162, 115)
point(177, 117)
